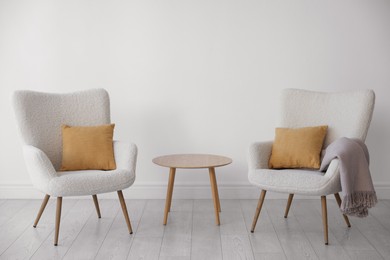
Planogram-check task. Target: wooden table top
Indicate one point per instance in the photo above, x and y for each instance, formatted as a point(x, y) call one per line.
point(192, 161)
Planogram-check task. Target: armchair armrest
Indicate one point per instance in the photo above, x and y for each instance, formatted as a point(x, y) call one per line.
point(333, 169)
point(332, 174)
point(39, 167)
point(258, 155)
point(125, 154)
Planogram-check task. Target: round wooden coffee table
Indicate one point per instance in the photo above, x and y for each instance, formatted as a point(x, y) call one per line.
point(192, 161)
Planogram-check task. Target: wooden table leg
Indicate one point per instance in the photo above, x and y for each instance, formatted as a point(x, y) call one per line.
point(214, 191)
point(168, 200)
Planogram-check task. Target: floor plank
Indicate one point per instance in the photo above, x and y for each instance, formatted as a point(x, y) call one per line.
point(264, 240)
point(365, 255)
point(351, 239)
point(16, 225)
point(174, 258)
point(310, 221)
point(145, 248)
point(376, 228)
point(206, 237)
point(204, 205)
point(9, 208)
point(374, 232)
point(234, 235)
point(151, 223)
point(208, 205)
point(91, 237)
point(71, 226)
point(232, 219)
point(118, 241)
point(270, 256)
point(182, 205)
point(386, 202)
point(177, 234)
point(294, 242)
point(236, 247)
point(26, 245)
point(191, 232)
point(382, 213)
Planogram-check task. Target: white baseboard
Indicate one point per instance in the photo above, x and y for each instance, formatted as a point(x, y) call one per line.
point(181, 191)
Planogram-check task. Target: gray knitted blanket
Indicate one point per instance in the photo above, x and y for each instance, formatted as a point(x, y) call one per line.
point(356, 182)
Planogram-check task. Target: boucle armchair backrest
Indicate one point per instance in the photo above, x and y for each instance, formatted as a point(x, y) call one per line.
point(40, 116)
point(347, 114)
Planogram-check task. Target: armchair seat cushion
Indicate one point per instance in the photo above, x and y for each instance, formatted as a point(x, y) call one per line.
point(306, 182)
point(90, 182)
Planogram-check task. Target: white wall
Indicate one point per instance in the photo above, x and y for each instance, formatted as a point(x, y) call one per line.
point(194, 76)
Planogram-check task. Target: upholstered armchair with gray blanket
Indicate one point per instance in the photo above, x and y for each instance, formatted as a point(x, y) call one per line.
point(39, 117)
point(347, 114)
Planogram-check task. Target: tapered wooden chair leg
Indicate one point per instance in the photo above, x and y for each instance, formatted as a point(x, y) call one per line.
point(338, 199)
point(124, 209)
point(58, 219)
point(95, 201)
point(258, 209)
point(43, 206)
point(290, 198)
point(325, 218)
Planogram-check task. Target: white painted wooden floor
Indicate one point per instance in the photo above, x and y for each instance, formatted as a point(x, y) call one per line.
point(190, 232)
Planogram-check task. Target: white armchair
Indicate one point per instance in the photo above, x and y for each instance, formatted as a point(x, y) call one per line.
point(39, 117)
point(347, 114)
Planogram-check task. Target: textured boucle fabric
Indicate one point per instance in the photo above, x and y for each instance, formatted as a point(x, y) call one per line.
point(40, 116)
point(89, 182)
point(347, 114)
point(39, 167)
point(307, 182)
point(75, 183)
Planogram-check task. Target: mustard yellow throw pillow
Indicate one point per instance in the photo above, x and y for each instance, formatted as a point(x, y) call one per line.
point(87, 148)
point(297, 147)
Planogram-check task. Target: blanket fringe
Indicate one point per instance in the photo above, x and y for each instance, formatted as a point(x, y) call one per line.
point(358, 203)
